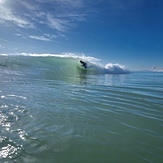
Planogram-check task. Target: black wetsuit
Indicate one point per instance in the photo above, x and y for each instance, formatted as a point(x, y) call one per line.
point(83, 64)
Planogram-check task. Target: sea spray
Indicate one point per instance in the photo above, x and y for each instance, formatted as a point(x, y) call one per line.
point(116, 68)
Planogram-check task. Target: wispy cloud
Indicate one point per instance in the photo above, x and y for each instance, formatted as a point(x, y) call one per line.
point(60, 15)
point(45, 37)
point(50, 16)
point(42, 38)
point(6, 15)
point(58, 24)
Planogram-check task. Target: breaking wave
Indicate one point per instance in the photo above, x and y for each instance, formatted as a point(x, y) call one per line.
point(61, 64)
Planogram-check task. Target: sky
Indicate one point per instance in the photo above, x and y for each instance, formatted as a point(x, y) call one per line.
point(129, 32)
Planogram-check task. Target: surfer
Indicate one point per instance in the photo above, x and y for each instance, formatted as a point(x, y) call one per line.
point(84, 64)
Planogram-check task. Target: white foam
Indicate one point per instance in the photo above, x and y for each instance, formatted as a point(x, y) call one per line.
point(116, 68)
point(62, 55)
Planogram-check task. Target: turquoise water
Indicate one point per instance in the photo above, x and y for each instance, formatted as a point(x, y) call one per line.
point(51, 110)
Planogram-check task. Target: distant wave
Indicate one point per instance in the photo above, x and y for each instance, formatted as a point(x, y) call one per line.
point(154, 69)
point(67, 62)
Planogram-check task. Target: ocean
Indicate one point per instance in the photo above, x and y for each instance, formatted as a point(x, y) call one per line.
point(52, 110)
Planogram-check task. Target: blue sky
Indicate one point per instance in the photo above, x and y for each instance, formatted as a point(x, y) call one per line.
point(129, 32)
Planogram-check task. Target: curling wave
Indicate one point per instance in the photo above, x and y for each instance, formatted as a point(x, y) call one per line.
point(60, 64)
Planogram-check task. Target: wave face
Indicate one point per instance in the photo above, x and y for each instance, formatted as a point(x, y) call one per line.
point(58, 65)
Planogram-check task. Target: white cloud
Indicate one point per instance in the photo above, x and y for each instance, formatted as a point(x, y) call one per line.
point(6, 15)
point(59, 15)
point(42, 38)
point(45, 37)
point(58, 24)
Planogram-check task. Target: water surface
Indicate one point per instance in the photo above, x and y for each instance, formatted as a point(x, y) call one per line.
point(51, 112)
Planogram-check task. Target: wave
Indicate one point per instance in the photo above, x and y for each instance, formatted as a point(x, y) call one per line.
point(65, 63)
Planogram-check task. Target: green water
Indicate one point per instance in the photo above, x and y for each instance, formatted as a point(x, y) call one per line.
point(81, 118)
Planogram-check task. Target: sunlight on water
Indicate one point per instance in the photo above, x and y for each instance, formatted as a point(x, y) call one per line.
point(9, 149)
